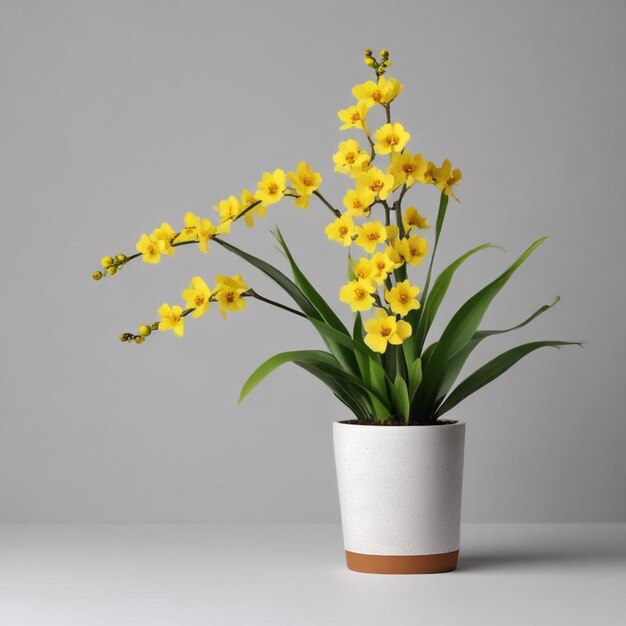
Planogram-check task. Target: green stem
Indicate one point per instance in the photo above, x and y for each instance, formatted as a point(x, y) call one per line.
point(253, 294)
point(328, 204)
point(441, 214)
point(248, 208)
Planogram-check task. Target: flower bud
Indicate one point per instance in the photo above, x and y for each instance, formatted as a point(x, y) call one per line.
point(120, 257)
point(367, 52)
point(139, 339)
point(144, 330)
point(111, 271)
point(124, 337)
point(106, 261)
point(384, 54)
point(97, 275)
point(369, 62)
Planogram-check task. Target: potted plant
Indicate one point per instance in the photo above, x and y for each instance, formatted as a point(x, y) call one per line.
point(399, 459)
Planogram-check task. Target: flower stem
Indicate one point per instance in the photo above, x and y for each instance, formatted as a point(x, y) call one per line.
point(328, 204)
point(253, 294)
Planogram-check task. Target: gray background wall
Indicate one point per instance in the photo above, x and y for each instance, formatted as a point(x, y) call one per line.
point(118, 115)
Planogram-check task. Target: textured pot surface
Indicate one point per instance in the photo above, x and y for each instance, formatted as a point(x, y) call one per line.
point(400, 495)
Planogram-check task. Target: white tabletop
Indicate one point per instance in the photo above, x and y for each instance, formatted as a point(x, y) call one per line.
point(294, 575)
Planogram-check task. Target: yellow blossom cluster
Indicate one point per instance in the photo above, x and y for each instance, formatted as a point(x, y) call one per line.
point(270, 189)
point(229, 293)
point(391, 247)
point(381, 170)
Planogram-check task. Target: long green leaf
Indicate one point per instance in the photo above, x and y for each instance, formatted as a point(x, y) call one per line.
point(324, 309)
point(346, 358)
point(494, 368)
point(316, 358)
point(400, 396)
point(375, 377)
point(276, 275)
point(415, 377)
point(455, 363)
point(458, 332)
point(349, 395)
point(437, 294)
point(413, 318)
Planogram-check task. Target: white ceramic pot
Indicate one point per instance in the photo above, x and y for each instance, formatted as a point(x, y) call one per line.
point(400, 496)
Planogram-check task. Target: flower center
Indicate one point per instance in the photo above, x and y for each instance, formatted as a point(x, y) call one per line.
point(350, 158)
point(403, 298)
point(199, 300)
point(343, 231)
point(306, 180)
point(272, 189)
point(376, 95)
point(385, 331)
point(230, 297)
point(377, 185)
point(359, 293)
point(355, 117)
point(373, 236)
point(392, 140)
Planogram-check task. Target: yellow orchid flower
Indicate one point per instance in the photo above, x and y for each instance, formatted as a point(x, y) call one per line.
point(370, 235)
point(190, 230)
point(358, 294)
point(172, 319)
point(228, 293)
point(407, 168)
point(412, 249)
point(197, 296)
point(247, 199)
point(384, 329)
point(363, 268)
point(341, 230)
point(402, 298)
point(382, 92)
point(376, 181)
point(413, 219)
point(350, 159)
point(150, 249)
point(271, 187)
point(205, 230)
point(354, 117)
point(390, 138)
point(382, 266)
point(358, 201)
point(446, 178)
point(165, 236)
point(305, 182)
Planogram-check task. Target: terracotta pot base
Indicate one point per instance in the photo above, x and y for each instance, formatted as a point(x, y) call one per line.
point(419, 564)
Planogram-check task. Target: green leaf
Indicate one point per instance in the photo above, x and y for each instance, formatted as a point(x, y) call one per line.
point(276, 275)
point(456, 362)
point(349, 395)
point(415, 377)
point(316, 358)
point(458, 332)
point(410, 348)
point(324, 309)
point(345, 356)
point(400, 397)
point(494, 368)
point(437, 294)
point(362, 357)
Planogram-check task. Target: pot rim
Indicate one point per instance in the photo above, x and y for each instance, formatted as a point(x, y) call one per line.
point(395, 426)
